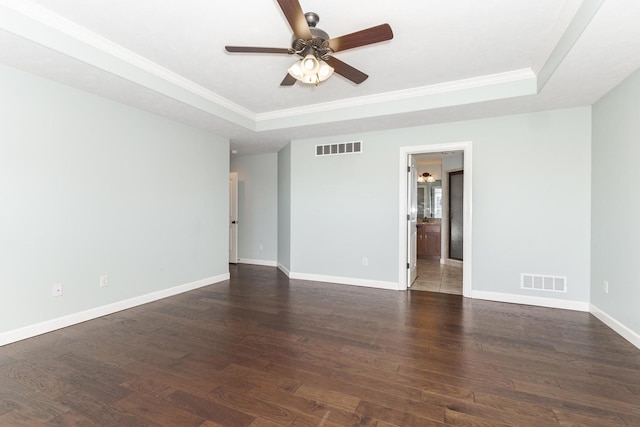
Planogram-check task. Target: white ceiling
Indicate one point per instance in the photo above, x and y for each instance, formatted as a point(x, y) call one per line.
point(449, 60)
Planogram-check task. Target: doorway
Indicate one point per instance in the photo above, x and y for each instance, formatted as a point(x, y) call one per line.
point(404, 260)
point(233, 218)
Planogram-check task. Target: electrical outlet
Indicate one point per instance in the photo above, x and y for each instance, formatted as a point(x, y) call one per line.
point(605, 287)
point(104, 281)
point(365, 261)
point(56, 290)
point(261, 246)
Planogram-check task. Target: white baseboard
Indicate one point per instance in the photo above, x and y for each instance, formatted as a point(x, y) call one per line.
point(257, 262)
point(618, 327)
point(532, 300)
point(93, 313)
point(284, 269)
point(345, 280)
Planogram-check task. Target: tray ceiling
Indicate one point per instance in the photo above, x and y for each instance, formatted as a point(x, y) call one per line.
point(448, 60)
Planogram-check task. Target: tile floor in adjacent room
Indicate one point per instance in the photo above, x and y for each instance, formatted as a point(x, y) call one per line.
point(436, 277)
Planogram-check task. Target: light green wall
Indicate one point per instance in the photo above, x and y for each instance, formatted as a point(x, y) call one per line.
point(91, 187)
point(531, 201)
point(341, 209)
point(616, 204)
point(257, 207)
point(284, 207)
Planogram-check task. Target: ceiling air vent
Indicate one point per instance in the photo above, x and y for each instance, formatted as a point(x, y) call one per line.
point(338, 148)
point(540, 282)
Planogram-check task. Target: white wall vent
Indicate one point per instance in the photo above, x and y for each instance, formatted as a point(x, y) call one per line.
point(337, 148)
point(541, 282)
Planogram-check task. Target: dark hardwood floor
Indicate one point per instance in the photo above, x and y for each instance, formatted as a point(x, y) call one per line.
point(263, 350)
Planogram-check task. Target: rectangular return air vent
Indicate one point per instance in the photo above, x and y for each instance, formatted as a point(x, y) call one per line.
point(540, 282)
point(339, 148)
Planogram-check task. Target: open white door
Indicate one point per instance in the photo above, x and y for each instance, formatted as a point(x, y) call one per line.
point(233, 218)
point(412, 222)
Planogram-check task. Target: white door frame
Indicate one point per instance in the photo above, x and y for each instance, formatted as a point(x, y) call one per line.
point(412, 221)
point(465, 146)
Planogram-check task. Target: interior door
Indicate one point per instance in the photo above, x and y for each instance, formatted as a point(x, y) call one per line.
point(456, 217)
point(412, 222)
point(233, 218)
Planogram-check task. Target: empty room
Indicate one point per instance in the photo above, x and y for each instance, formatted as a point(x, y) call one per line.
point(306, 213)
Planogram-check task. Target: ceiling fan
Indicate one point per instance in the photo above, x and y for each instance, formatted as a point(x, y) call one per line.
point(316, 47)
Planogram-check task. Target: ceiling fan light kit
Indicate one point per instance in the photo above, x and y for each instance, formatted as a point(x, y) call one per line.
point(316, 47)
point(311, 70)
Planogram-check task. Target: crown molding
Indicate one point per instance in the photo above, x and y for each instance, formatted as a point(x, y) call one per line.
point(573, 21)
point(405, 94)
point(38, 24)
point(477, 89)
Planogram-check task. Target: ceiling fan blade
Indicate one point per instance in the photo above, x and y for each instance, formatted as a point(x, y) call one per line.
point(347, 71)
point(289, 80)
point(371, 35)
point(293, 12)
point(249, 49)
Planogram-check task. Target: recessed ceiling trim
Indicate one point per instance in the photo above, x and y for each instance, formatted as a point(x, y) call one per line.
point(476, 89)
point(574, 19)
point(42, 26)
point(400, 95)
point(567, 13)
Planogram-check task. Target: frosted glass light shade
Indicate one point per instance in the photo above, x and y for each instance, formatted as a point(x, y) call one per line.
point(311, 70)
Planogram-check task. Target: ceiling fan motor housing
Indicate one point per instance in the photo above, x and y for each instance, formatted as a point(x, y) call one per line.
point(317, 33)
point(318, 45)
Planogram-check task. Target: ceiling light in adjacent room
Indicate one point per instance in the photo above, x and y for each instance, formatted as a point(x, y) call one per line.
point(426, 177)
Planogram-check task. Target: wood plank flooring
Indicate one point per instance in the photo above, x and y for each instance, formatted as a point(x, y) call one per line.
point(262, 350)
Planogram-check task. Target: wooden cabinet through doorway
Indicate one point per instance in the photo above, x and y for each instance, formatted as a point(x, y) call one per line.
point(428, 241)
